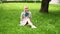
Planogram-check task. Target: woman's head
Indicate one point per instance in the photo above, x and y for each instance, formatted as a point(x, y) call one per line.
point(26, 8)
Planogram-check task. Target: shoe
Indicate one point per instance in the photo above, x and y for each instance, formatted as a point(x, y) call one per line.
point(33, 26)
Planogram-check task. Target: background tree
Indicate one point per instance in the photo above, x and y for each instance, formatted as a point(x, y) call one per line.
point(0, 1)
point(44, 6)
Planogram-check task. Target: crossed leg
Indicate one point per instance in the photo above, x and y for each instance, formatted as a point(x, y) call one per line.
point(30, 23)
point(27, 22)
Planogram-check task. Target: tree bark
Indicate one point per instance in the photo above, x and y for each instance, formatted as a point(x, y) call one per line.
point(44, 6)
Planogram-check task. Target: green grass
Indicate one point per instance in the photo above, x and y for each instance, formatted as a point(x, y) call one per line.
point(45, 23)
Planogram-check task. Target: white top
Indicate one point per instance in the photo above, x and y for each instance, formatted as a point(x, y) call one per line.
point(23, 14)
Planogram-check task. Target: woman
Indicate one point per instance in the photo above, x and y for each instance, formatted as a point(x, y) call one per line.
point(25, 18)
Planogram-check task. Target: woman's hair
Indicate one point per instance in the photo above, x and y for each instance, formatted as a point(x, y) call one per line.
point(26, 7)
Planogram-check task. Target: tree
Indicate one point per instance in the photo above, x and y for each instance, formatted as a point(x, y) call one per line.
point(44, 6)
point(0, 1)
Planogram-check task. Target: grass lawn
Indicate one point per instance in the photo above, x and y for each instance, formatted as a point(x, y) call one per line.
point(46, 23)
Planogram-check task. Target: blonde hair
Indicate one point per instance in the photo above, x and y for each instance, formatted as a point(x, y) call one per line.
point(25, 7)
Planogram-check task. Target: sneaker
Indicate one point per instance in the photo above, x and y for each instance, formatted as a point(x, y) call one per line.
point(33, 27)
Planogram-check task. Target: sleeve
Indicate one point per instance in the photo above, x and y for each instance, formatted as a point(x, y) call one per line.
point(21, 15)
point(30, 15)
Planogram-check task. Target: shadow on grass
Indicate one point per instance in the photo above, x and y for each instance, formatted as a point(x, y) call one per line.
point(56, 15)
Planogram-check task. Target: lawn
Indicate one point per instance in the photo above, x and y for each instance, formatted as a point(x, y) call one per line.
point(45, 23)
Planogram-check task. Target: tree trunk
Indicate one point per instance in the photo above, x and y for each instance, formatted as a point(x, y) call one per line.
point(44, 6)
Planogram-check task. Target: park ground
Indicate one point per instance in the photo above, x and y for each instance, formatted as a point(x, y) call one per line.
point(45, 23)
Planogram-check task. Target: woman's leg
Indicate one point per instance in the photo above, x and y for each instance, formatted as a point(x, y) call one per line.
point(23, 22)
point(30, 23)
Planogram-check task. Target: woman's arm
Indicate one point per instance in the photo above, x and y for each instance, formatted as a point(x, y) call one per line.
point(30, 15)
point(21, 18)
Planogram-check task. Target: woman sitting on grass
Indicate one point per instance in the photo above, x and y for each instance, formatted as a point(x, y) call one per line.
point(25, 18)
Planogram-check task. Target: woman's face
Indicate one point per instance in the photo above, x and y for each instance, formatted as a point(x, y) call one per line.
point(26, 9)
